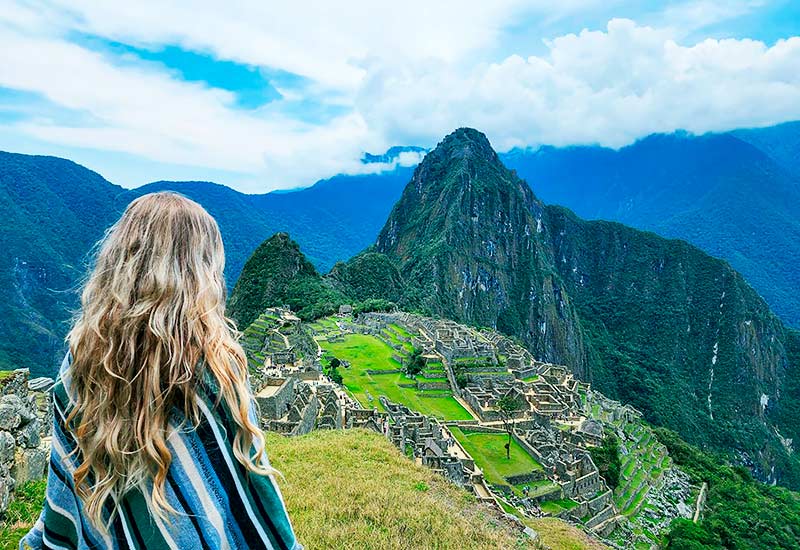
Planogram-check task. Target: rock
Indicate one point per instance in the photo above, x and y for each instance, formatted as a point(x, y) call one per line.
point(30, 464)
point(7, 446)
point(29, 434)
point(10, 417)
point(6, 487)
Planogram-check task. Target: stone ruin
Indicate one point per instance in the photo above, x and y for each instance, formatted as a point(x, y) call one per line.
point(430, 443)
point(278, 345)
point(25, 418)
point(293, 406)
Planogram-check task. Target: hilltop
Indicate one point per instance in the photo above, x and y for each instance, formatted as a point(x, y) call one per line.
point(55, 210)
point(734, 195)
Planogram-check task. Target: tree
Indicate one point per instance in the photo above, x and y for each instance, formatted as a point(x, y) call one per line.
point(507, 406)
point(333, 370)
point(414, 364)
point(606, 458)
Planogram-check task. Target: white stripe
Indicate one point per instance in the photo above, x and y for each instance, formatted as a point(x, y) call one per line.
point(221, 443)
point(167, 536)
point(66, 513)
point(69, 464)
point(124, 522)
point(188, 464)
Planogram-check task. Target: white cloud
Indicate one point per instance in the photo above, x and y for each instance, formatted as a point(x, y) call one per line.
point(606, 87)
point(408, 75)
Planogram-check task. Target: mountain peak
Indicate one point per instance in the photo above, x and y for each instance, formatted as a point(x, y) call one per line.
point(465, 143)
point(267, 276)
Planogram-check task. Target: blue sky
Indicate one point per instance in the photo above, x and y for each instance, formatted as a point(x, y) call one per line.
point(265, 97)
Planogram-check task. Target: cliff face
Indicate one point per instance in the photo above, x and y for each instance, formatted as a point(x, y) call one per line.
point(678, 334)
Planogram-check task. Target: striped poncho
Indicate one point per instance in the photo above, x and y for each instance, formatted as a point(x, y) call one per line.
point(220, 504)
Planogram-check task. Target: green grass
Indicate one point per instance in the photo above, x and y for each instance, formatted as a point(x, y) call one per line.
point(22, 513)
point(365, 352)
point(559, 535)
point(537, 488)
point(533, 378)
point(555, 506)
point(490, 454)
point(400, 330)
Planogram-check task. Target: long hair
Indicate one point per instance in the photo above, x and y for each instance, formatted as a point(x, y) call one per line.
point(152, 320)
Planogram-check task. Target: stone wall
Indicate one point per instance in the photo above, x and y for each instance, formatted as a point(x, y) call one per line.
point(276, 405)
point(24, 418)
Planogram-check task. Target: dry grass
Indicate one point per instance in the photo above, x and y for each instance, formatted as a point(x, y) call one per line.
point(559, 535)
point(354, 490)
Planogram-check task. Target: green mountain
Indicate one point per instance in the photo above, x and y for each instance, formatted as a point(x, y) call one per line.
point(655, 322)
point(466, 236)
point(279, 274)
point(734, 195)
point(55, 210)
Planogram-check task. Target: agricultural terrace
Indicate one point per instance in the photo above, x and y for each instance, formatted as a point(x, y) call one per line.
point(368, 353)
point(489, 452)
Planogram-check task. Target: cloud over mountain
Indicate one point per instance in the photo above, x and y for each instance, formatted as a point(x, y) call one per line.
point(357, 77)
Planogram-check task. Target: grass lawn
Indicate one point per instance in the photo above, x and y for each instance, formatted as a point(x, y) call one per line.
point(537, 488)
point(490, 454)
point(22, 513)
point(350, 489)
point(365, 352)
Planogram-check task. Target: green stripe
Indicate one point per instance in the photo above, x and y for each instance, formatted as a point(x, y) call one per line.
point(60, 524)
point(141, 523)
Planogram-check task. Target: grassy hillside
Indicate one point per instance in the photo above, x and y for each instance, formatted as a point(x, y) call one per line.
point(353, 489)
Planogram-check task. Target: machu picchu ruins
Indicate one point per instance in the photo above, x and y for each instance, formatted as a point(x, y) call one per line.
point(433, 388)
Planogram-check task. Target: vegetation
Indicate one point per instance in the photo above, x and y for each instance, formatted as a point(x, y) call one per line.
point(740, 513)
point(375, 498)
point(368, 353)
point(278, 274)
point(489, 452)
point(606, 458)
point(22, 513)
point(692, 187)
point(414, 363)
point(43, 260)
point(508, 406)
point(644, 318)
point(558, 535)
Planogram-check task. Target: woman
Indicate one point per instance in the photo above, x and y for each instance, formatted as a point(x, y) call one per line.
point(155, 440)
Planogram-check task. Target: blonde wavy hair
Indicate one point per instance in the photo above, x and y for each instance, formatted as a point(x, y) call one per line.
point(152, 321)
